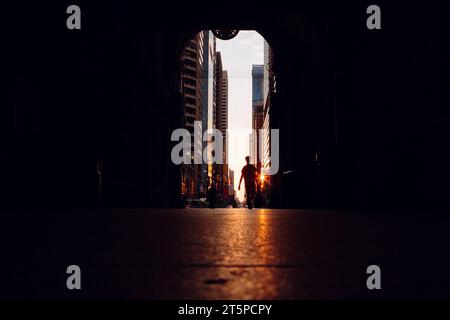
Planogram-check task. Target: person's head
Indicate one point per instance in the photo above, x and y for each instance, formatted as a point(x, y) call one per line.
point(247, 159)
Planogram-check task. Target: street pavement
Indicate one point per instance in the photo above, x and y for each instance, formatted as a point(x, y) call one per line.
point(224, 254)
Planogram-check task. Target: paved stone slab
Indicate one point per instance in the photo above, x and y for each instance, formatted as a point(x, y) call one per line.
point(225, 254)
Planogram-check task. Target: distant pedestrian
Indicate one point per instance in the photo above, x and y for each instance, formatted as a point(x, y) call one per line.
point(249, 174)
point(212, 193)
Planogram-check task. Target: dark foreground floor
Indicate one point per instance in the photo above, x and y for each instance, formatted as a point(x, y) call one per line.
point(224, 254)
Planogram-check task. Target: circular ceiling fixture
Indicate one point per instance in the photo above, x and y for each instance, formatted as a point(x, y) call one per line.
point(225, 34)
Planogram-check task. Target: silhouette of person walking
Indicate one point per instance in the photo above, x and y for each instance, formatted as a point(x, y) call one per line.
point(249, 174)
point(212, 193)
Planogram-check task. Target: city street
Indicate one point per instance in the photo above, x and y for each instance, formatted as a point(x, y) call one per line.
point(224, 254)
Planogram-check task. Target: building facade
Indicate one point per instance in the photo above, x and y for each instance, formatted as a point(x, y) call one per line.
point(192, 95)
point(257, 112)
point(221, 123)
point(208, 105)
point(262, 86)
point(231, 189)
point(269, 87)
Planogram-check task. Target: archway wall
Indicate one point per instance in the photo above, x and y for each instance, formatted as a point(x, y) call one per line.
point(369, 104)
point(389, 103)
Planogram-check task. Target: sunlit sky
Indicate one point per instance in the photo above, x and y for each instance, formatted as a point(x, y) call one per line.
point(238, 56)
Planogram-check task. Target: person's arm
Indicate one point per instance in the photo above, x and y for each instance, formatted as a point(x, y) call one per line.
point(240, 180)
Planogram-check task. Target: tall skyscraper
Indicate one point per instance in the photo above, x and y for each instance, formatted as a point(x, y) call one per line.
point(221, 123)
point(257, 112)
point(208, 102)
point(221, 100)
point(269, 86)
point(191, 92)
point(224, 127)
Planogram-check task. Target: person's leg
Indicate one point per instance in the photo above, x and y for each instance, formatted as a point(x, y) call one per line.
point(250, 198)
point(253, 200)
